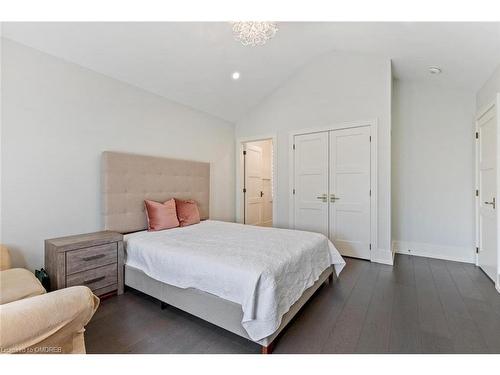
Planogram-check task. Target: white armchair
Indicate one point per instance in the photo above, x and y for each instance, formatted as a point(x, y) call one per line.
point(33, 321)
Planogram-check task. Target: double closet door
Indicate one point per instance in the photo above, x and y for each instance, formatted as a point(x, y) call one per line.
point(332, 187)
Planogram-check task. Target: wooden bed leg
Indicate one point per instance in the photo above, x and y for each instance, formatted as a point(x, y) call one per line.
point(163, 305)
point(267, 349)
point(330, 278)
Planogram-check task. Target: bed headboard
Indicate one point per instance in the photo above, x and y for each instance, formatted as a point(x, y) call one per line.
point(128, 179)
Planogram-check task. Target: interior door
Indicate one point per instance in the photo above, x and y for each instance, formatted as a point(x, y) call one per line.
point(311, 182)
point(487, 257)
point(267, 209)
point(267, 183)
point(350, 191)
point(253, 185)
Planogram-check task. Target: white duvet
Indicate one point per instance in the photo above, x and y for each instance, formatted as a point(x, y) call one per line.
point(266, 270)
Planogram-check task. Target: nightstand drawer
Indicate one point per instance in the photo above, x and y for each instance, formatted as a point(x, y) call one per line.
point(90, 257)
point(96, 278)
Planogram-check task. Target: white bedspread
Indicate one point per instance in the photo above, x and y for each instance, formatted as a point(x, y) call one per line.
point(266, 270)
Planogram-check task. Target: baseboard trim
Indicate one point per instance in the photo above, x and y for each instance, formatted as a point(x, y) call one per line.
point(453, 253)
point(382, 256)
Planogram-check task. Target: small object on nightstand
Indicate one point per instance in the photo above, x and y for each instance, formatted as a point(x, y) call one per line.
point(94, 260)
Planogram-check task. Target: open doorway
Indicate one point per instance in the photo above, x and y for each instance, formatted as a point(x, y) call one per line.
point(257, 179)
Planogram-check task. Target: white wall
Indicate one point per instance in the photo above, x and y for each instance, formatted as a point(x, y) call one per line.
point(489, 90)
point(433, 171)
point(331, 90)
point(57, 119)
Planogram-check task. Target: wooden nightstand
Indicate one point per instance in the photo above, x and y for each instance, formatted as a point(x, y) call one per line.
point(94, 260)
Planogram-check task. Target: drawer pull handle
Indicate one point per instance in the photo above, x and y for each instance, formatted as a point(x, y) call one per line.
point(91, 281)
point(93, 257)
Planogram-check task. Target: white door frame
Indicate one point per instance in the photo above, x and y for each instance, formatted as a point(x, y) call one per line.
point(240, 202)
point(480, 113)
point(373, 124)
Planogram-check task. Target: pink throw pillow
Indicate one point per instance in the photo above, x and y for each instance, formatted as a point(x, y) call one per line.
point(187, 212)
point(161, 215)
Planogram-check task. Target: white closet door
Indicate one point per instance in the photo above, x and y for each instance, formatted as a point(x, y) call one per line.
point(311, 182)
point(487, 257)
point(350, 191)
point(253, 185)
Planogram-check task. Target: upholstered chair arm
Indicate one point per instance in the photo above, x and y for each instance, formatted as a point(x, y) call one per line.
point(48, 323)
point(4, 258)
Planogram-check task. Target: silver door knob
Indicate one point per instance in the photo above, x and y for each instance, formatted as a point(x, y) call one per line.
point(324, 197)
point(333, 198)
point(493, 203)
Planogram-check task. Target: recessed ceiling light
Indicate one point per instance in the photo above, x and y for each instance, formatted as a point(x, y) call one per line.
point(236, 75)
point(434, 70)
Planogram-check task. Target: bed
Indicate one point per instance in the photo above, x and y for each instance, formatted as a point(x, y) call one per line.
point(248, 280)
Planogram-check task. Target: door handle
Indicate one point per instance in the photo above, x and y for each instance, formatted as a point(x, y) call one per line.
point(493, 203)
point(333, 198)
point(261, 194)
point(323, 198)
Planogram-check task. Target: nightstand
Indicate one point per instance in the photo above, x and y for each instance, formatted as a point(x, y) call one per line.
point(93, 259)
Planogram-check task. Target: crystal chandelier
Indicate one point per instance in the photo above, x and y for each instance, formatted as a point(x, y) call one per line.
point(254, 33)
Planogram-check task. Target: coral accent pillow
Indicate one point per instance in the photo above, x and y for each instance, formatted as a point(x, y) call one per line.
point(187, 212)
point(161, 215)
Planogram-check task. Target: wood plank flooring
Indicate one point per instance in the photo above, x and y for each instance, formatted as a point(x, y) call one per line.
point(420, 305)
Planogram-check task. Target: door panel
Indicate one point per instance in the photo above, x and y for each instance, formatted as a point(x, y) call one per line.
point(349, 226)
point(267, 178)
point(253, 185)
point(311, 182)
point(267, 211)
point(487, 257)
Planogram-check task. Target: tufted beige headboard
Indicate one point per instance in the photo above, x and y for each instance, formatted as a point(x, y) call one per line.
point(128, 179)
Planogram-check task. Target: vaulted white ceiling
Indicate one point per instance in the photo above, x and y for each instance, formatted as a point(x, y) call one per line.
point(192, 63)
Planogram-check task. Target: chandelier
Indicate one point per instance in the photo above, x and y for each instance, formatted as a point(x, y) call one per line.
point(254, 33)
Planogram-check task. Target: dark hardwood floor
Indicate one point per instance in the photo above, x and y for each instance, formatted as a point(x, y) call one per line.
point(420, 305)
